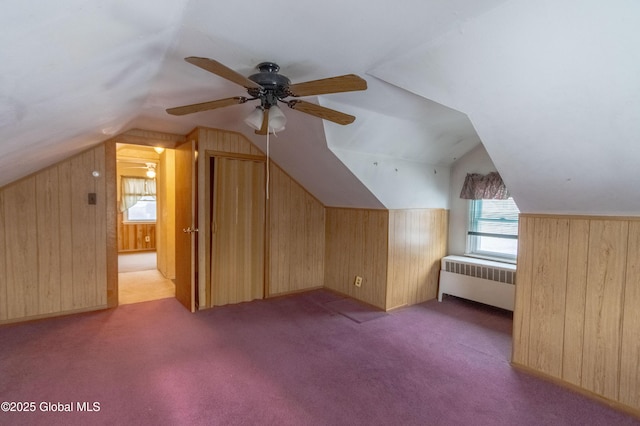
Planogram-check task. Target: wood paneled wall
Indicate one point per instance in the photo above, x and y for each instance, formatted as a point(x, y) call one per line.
point(296, 236)
point(166, 221)
point(131, 236)
point(356, 244)
point(577, 296)
point(295, 220)
point(417, 242)
point(53, 243)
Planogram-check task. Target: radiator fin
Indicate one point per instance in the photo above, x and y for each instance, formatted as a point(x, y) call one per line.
point(481, 271)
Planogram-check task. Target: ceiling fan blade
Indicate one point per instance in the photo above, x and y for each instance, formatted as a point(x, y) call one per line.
point(344, 83)
point(322, 112)
point(205, 106)
point(222, 71)
point(265, 123)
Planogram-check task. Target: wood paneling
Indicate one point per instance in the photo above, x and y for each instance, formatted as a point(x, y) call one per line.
point(548, 296)
point(522, 310)
point(131, 236)
point(575, 300)
point(110, 178)
point(166, 221)
point(22, 241)
point(237, 267)
point(630, 348)
point(605, 289)
point(53, 242)
point(356, 245)
point(417, 242)
point(296, 236)
point(576, 297)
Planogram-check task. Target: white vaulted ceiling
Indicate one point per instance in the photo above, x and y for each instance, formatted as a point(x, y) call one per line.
point(550, 88)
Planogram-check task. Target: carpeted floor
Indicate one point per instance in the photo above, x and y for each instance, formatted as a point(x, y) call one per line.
point(286, 361)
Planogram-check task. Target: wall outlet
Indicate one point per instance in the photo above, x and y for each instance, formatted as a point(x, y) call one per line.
point(147, 239)
point(358, 281)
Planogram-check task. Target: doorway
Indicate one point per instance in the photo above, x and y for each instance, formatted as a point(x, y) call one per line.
point(145, 223)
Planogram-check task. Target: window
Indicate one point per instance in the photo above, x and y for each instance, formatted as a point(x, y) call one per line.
point(493, 229)
point(144, 210)
point(138, 199)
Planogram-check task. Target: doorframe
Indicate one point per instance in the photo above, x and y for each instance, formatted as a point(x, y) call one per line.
point(207, 217)
point(131, 137)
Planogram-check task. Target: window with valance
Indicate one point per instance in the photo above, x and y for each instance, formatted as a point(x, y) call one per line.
point(138, 199)
point(493, 217)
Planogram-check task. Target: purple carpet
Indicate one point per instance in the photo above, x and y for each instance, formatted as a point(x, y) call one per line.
point(284, 361)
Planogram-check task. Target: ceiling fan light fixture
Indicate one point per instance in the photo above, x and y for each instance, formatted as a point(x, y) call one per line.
point(254, 120)
point(151, 173)
point(159, 150)
point(277, 119)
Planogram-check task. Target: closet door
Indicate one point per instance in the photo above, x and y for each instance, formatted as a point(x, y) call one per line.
point(238, 231)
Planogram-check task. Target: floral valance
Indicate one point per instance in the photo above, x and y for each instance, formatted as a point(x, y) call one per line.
point(484, 187)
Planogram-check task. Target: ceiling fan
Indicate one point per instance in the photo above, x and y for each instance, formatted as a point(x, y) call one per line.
point(270, 87)
point(149, 166)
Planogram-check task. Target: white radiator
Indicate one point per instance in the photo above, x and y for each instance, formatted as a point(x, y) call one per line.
point(484, 281)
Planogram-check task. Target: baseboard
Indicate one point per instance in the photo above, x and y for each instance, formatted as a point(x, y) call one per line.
point(287, 293)
point(616, 405)
point(52, 315)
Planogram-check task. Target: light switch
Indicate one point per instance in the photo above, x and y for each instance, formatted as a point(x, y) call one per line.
point(92, 198)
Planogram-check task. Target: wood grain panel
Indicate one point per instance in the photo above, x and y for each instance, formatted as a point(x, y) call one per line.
point(53, 242)
point(524, 283)
point(48, 228)
point(110, 179)
point(131, 236)
point(605, 286)
point(66, 234)
point(356, 244)
point(84, 232)
point(238, 237)
point(575, 301)
point(224, 141)
point(630, 345)
point(397, 280)
point(417, 242)
point(100, 211)
point(296, 236)
point(22, 244)
point(548, 293)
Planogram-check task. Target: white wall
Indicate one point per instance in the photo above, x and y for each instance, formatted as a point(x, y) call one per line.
point(397, 183)
point(475, 161)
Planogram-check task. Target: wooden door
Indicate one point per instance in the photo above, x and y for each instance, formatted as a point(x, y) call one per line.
point(238, 231)
point(186, 224)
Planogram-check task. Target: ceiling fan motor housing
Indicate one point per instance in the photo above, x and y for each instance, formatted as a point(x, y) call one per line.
point(274, 86)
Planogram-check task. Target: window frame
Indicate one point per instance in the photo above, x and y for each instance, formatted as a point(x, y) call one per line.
point(474, 235)
point(127, 220)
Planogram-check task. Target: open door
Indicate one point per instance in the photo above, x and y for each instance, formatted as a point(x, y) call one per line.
point(186, 225)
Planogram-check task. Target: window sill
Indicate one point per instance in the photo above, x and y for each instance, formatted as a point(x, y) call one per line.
point(137, 222)
point(492, 258)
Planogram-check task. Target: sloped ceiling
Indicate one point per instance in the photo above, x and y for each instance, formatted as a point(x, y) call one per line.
point(550, 88)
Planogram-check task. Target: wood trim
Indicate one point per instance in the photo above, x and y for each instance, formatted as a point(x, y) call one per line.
point(53, 315)
point(150, 138)
point(237, 156)
point(289, 293)
point(579, 217)
point(111, 224)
